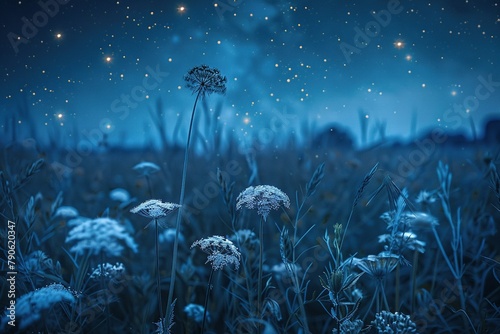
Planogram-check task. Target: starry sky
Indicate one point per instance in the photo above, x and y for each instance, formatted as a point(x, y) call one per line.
point(99, 65)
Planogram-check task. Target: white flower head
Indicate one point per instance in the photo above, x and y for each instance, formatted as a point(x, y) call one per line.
point(113, 272)
point(377, 266)
point(31, 306)
point(420, 220)
point(119, 195)
point(66, 212)
point(154, 208)
point(100, 235)
point(221, 251)
point(264, 197)
point(146, 168)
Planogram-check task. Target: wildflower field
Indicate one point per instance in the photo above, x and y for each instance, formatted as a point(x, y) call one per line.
point(294, 236)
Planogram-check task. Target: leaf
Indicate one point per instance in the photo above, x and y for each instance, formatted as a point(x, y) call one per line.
point(56, 204)
point(29, 216)
point(350, 281)
point(315, 180)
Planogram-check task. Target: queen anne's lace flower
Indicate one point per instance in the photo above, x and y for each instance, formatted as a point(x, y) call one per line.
point(402, 241)
point(205, 80)
point(146, 168)
point(120, 195)
point(221, 251)
point(109, 271)
point(391, 323)
point(100, 235)
point(154, 208)
point(66, 212)
point(31, 306)
point(265, 198)
point(377, 266)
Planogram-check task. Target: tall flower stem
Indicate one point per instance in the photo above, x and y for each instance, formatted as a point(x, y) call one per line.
point(179, 213)
point(206, 300)
point(150, 189)
point(158, 281)
point(103, 286)
point(259, 282)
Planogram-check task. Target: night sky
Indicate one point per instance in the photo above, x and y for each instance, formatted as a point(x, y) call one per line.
point(102, 65)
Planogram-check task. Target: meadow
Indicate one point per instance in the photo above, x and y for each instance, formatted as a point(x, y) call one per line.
point(294, 236)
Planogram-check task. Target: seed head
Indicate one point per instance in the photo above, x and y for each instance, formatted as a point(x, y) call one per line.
point(205, 80)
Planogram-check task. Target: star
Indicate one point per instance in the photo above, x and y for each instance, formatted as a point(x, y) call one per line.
point(181, 9)
point(399, 44)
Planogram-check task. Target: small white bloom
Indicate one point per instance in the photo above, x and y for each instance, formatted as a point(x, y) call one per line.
point(31, 306)
point(146, 168)
point(120, 195)
point(265, 198)
point(108, 270)
point(221, 251)
point(154, 208)
point(66, 212)
point(100, 235)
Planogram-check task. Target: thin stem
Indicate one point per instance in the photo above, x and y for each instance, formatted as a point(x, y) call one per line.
point(396, 297)
point(206, 300)
point(345, 229)
point(375, 295)
point(158, 281)
point(179, 213)
point(382, 292)
point(414, 280)
point(101, 272)
point(301, 305)
point(438, 240)
point(259, 282)
point(295, 281)
point(149, 186)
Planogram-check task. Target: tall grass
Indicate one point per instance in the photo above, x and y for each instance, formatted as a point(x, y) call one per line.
point(340, 258)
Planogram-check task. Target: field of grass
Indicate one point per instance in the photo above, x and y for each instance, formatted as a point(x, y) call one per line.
point(438, 260)
point(292, 234)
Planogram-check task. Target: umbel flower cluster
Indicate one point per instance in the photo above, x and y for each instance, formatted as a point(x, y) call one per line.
point(264, 197)
point(205, 80)
point(221, 251)
point(154, 208)
point(100, 235)
point(391, 323)
point(108, 270)
point(31, 306)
